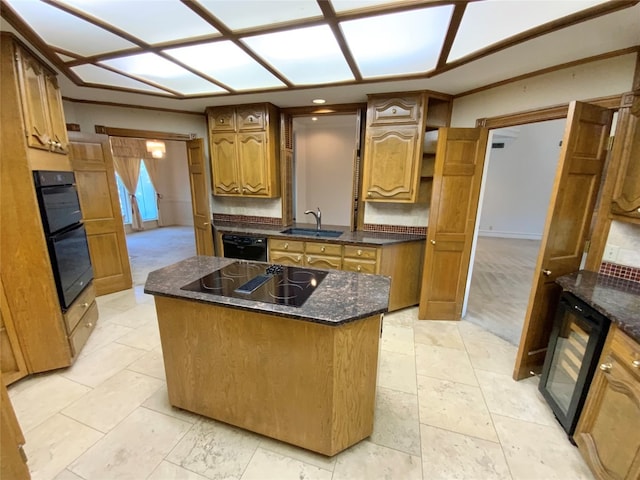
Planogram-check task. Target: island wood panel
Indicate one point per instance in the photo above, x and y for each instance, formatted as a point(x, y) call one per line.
point(403, 263)
point(304, 383)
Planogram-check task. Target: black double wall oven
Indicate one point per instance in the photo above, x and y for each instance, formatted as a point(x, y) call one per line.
point(65, 233)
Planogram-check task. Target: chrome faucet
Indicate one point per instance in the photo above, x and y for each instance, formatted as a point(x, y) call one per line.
point(318, 216)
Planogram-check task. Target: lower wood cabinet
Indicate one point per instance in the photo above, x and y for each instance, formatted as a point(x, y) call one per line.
point(13, 461)
point(12, 362)
point(608, 432)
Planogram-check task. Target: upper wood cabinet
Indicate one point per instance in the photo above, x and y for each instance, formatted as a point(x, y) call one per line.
point(243, 143)
point(394, 167)
point(45, 126)
point(626, 194)
point(608, 432)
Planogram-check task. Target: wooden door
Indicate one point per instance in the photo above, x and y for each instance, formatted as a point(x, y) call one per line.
point(224, 160)
point(391, 164)
point(13, 464)
point(569, 215)
point(199, 197)
point(253, 164)
point(12, 364)
point(452, 218)
point(98, 192)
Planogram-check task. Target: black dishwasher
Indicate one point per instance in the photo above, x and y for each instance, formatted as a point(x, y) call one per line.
point(245, 247)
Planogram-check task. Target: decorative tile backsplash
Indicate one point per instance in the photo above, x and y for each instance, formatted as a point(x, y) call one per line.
point(620, 271)
point(223, 217)
point(370, 227)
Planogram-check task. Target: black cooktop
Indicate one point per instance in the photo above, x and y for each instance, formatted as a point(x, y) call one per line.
point(276, 284)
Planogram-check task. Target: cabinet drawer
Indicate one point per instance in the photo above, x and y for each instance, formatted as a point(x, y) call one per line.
point(286, 258)
point(627, 351)
point(322, 261)
point(368, 253)
point(328, 249)
point(399, 110)
point(287, 245)
point(79, 307)
point(87, 323)
point(251, 119)
point(222, 120)
point(355, 265)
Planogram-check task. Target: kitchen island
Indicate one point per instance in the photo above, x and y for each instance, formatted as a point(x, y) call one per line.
point(304, 374)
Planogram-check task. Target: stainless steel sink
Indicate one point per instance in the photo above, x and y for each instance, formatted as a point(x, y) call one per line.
point(312, 232)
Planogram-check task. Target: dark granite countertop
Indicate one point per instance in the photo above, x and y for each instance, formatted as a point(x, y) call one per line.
point(617, 299)
point(341, 297)
point(359, 237)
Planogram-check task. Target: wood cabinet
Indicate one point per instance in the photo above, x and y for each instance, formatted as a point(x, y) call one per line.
point(626, 194)
point(608, 432)
point(13, 461)
point(401, 261)
point(12, 362)
point(32, 306)
point(43, 115)
point(243, 143)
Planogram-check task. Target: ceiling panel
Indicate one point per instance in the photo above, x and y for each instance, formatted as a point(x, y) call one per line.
point(97, 75)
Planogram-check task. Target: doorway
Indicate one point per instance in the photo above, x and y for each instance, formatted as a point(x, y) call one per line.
point(519, 174)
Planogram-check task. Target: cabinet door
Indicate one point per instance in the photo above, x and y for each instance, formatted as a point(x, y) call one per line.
point(608, 434)
point(396, 110)
point(222, 119)
point(251, 118)
point(12, 364)
point(34, 101)
point(58, 129)
point(224, 161)
point(391, 164)
point(626, 197)
point(254, 164)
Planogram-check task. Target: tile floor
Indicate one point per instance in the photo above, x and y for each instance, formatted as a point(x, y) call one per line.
point(447, 408)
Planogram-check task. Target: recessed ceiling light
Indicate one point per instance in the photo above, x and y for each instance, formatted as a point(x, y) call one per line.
point(319, 101)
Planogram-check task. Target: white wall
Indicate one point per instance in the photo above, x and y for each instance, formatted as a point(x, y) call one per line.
point(324, 155)
point(519, 180)
point(174, 187)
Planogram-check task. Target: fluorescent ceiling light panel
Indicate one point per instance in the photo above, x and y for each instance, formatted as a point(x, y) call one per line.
point(353, 5)
point(488, 22)
point(238, 15)
point(154, 68)
point(307, 56)
point(227, 63)
point(399, 43)
point(63, 30)
point(100, 76)
point(151, 22)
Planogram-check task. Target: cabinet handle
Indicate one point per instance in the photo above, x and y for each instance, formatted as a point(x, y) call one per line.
point(89, 325)
point(369, 194)
point(636, 364)
point(322, 249)
point(359, 268)
point(546, 273)
point(393, 111)
point(606, 367)
point(309, 259)
point(221, 120)
point(244, 190)
point(84, 305)
point(577, 308)
point(359, 252)
point(299, 257)
point(286, 246)
point(236, 189)
point(433, 242)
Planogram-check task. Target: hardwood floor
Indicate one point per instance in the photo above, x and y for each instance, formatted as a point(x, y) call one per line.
point(500, 285)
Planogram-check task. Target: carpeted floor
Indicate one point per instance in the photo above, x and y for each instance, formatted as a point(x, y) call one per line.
point(157, 248)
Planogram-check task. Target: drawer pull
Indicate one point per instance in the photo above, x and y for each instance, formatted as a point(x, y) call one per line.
point(359, 268)
point(308, 259)
point(286, 246)
point(84, 305)
point(299, 257)
point(606, 367)
point(577, 308)
point(322, 249)
point(546, 272)
point(636, 364)
point(89, 325)
point(359, 252)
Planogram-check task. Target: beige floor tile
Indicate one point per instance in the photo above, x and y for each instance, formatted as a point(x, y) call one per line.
point(146, 337)
point(215, 450)
point(397, 423)
point(113, 400)
point(305, 456)
point(397, 371)
point(267, 465)
point(470, 331)
point(493, 357)
point(44, 398)
point(122, 301)
point(159, 402)
point(368, 461)
point(522, 400)
point(447, 455)
point(397, 339)
point(104, 333)
point(97, 366)
point(454, 406)
point(169, 471)
point(402, 318)
point(536, 451)
point(444, 363)
point(55, 443)
point(151, 364)
point(68, 475)
point(133, 449)
point(441, 334)
point(137, 316)
point(141, 297)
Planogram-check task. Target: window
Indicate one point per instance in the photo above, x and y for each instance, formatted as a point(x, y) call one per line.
point(145, 194)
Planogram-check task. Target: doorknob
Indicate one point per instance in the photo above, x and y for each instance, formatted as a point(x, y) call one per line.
point(546, 273)
point(433, 242)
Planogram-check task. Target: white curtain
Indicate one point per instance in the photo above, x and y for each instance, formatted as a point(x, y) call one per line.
point(129, 170)
point(154, 176)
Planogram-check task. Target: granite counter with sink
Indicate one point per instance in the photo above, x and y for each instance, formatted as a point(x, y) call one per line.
point(304, 375)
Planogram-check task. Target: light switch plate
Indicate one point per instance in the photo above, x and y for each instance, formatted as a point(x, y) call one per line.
point(610, 253)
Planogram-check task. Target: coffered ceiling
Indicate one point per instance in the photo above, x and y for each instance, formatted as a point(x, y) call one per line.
point(193, 53)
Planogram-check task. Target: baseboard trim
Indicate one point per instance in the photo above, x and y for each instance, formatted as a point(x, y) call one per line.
point(517, 235)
